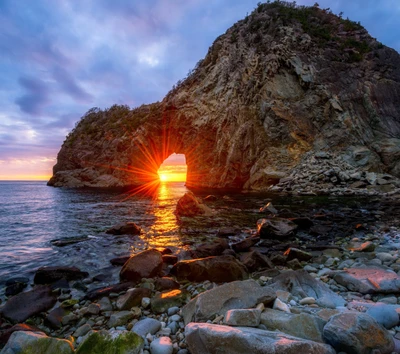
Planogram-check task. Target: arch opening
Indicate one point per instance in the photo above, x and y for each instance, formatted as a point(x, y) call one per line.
point(173, 169)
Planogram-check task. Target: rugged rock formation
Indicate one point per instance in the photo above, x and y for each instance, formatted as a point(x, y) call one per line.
point(282, 82)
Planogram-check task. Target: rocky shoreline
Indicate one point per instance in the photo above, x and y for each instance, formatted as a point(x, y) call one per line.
point(273, 292)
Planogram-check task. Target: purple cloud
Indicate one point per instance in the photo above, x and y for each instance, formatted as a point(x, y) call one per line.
point(36, 97)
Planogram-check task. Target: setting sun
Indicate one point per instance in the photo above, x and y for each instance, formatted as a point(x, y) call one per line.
point(173, 169)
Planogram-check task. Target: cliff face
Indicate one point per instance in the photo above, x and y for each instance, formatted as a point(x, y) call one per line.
point(283, 82)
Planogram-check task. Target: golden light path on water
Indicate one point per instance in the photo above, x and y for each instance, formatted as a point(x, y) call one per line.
point(165, 230)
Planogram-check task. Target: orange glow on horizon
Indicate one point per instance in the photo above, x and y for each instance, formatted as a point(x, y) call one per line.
point(173, 169)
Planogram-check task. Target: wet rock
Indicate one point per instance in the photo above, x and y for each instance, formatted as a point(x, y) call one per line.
point(320, 230)
point(66, 241)
point(357, 333)
point(276, 228)
point(24, 305)
point(15, 289)
point(254, 261)
point(367, 246)
point(55, 316)
point(145, 326)
point(217, 301)
point(48, 275)
point(189, 205)
point(385, 315)
point(269, 209)
point(301, 284)
point(243, 317)
point(210, 249)
point(146, 264)
point(36, 342)
point(244, 245)
point(163, 301)
point(162, 345)
point(227, 231)
point(301, 325)
point(6, 333)
point(129, 228)
point(120, 318)
point(115, 288)
point(211, 198)
point(166, 283)
point(133, 297)
point(369, 280)
point(119, 342)
point(82, 330)
point(119, 261)
point(292, 253)
point(217, 269)
point(105, 304)
point(169, 259)
point(205, 338)
point(303, 223)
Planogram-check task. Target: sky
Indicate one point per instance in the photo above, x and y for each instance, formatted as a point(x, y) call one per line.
point(59, 58)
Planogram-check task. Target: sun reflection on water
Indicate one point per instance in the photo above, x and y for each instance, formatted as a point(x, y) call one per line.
point(164, 232)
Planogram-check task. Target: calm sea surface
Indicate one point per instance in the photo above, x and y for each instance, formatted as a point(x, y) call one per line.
point(33, 214)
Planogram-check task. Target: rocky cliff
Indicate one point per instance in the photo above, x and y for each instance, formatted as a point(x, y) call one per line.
point(283, 82)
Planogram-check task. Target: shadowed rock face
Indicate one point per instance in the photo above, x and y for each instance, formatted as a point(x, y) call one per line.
point(278, 84)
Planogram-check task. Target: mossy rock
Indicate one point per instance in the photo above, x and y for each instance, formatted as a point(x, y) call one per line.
point(69, 303)
point(103, 342)
point(163, 301)
point(22, 342)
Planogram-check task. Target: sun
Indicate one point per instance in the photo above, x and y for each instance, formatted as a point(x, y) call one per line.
point(163, 177)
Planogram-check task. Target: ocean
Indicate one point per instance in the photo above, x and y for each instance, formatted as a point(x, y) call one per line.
point(33, 214)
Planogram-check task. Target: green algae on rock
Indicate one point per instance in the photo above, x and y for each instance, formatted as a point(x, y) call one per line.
point(116, 342)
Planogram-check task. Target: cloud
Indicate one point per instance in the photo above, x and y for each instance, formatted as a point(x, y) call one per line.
point(36, 97)
point(70, 86)
point(59, 61)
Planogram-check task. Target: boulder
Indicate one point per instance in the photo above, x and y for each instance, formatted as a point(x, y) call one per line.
point(163, 301)
point(300, 283)
point(189, 205)
point(384, 314)
point(243, 317)
point(36, 342)
point(210, 249)
point(205, 338)
point(15, 289)
point(276, 228)
point(268, 209)
point(254, 261)
point(24, 305)
point(118, 342)
point(146, 264)
point(367, 246)
point(369, 280)
point(54, 318)
point(166, 283)
point(133, 297)
point(162, 345)
point(145, 326)
point(244, 245)
point(295, 253)
point(6, 333)
point(357, 333)
point(216, 269)
point(217, 301)
point(120, 318)
point(169, 259)
point(48, 275)
point(115, 288)
point(128, 228)
point(301, 325)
